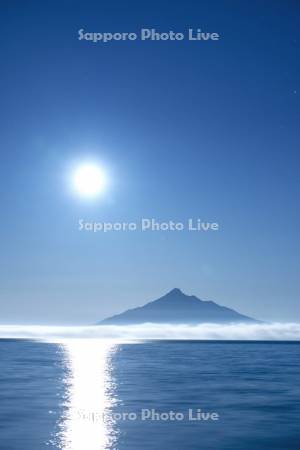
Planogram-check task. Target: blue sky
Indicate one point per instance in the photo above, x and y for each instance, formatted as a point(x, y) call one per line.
point(186, 129)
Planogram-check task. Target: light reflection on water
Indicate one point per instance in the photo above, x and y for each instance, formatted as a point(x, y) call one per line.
point(89, 396)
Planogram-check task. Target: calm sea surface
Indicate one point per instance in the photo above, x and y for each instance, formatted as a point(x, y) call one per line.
point(93, 395)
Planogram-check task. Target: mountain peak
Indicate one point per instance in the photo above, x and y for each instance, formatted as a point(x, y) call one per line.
point(177, 307)
point(175, 291)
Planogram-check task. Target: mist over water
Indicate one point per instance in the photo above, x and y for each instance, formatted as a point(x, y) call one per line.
point(208, 331)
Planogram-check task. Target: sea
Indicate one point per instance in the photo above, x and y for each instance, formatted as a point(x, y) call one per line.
point(96, 394)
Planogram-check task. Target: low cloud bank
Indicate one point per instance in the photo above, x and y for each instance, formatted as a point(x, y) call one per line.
point(208, 331)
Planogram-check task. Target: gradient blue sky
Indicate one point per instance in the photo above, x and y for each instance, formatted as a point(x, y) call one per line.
point(187, 129)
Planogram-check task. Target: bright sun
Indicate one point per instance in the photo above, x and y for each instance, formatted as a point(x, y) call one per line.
point(89, 180)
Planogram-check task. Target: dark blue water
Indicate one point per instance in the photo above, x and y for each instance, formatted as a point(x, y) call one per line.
point(253, 387)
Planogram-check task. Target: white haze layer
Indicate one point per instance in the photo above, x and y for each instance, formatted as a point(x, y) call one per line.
point(207, 331)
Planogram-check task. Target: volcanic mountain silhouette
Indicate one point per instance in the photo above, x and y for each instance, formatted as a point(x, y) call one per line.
point(177, 307)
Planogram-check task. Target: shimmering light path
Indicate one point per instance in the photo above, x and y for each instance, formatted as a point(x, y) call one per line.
point(89, 396)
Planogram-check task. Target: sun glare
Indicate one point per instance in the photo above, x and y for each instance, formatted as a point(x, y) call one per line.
point(89, 180)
